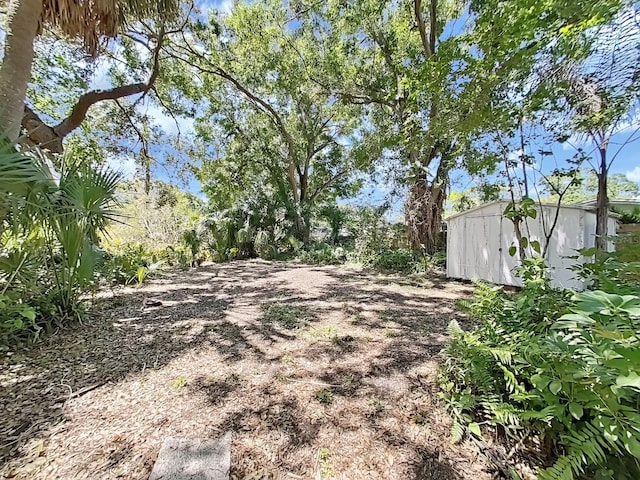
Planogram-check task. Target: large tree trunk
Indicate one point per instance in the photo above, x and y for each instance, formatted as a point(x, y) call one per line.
point(15, 73)
point(423, 214)
point(602, 203)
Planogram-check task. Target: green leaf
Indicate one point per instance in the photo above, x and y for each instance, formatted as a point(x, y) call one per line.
point(576, 410)
point(555, 386)
point(632, 380)
point(540, 381)
point(475, 429)
point(28, 313)
point(572, 321)
point(633, 446)
point(535, 244)
point(512, 250)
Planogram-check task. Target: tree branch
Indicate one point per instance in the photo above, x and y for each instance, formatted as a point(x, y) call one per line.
point(327, 184)
point(274, 116)
point(51, 137)
point(422, 28)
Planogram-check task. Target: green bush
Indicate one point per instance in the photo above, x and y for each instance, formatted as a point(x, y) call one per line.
point(322, 254)
point(49, 230)
point(131, 263)
point(16, 320)
point(617, 271)
point(546, 363)
point(127, 264)
point(401, 259)
point(626, 217)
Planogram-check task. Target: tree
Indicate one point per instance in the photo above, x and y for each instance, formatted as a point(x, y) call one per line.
point(25, 19)
point(585, 187)
point(256, 76)
point(576, 45)
point(407, 79)
point(602, 92)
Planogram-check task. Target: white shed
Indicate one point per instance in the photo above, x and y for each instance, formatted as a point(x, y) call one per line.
point(478, 242)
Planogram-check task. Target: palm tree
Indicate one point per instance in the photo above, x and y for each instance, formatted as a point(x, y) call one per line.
point(62, 218)
point(90, 21)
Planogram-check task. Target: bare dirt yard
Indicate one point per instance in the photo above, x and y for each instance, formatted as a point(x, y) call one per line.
point(318, 372)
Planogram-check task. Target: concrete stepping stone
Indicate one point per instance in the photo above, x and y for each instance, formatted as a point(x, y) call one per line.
point(193, 459)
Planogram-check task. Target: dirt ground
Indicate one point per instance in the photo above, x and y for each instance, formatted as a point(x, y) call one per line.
point(318, 372)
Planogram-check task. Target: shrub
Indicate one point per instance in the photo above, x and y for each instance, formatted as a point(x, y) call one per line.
point(50, 228)
point(545, 363)
point(16, 320)
point(322, 254)
point(129, 263)
point(617, 271)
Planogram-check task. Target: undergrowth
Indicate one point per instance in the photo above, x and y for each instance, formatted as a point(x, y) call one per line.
point(560, 366)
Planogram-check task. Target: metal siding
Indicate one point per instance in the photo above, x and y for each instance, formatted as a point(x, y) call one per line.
point(567, 238)
point(455, 237)
point(507, 261)
point(478, 243)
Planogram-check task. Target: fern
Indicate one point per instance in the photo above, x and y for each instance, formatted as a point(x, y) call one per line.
point(454, 330)
point(457, 432)
point(586, 447)
point(544, 363)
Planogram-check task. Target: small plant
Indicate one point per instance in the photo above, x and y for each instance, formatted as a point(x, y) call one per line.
point(289, 359)
point(17, 319)
point(327, 331)
point(345, 341)
point(179, 382)
point(324, 459)
point(419, 419)
point(376, 405)
point(233, 377)
point(324, 396)
point(287, 316)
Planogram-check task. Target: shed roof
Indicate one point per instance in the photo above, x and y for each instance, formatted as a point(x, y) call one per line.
point(575, 206)
point(613, 203)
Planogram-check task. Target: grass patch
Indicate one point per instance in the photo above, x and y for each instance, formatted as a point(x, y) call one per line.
point(376, 406)
point(287, 316)
point(324, 459)
point(419, 419)
point(327, 331)
point(289, 359)
point(324, 396)
point(344, 341)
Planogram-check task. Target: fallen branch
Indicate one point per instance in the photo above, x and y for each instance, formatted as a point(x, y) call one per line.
point(79, 393)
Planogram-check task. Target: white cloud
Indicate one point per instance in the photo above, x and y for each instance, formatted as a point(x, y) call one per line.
point(575, 142)
point(167, 122)
point(126, 166)
point(515, 155)
point(634, 175)
point(223, 6)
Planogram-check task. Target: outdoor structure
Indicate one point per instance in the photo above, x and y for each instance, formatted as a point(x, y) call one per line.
point(478, 242)
point(621, 206)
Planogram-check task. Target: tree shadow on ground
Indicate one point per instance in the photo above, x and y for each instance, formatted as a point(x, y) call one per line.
point(413, 325)
point(123, 337)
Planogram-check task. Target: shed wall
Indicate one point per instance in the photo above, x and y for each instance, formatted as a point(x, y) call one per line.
point(478, 243)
